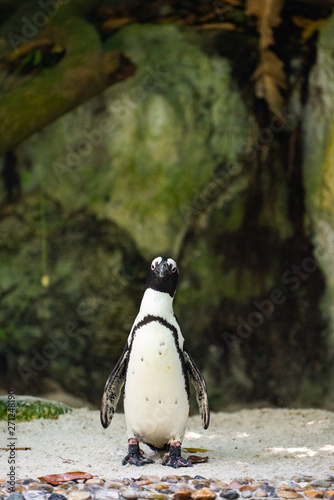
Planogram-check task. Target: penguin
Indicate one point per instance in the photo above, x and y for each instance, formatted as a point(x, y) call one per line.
point(155, 368)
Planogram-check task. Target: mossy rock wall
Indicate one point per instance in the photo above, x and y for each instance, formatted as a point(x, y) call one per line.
point(141, 151)
point(319, 171)
point(319, 161)
point(169, 162)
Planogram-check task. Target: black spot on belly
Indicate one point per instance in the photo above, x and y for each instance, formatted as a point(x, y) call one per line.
point(142, 359)
point(160, 353)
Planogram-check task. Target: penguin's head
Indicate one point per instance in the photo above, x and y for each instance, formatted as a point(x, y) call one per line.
point(163, 275)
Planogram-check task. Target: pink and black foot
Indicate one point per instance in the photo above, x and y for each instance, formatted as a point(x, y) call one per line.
point(135, 455)
point(173, 457)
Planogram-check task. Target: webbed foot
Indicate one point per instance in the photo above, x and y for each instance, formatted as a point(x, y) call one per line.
point(135, 455)
point(174, 459)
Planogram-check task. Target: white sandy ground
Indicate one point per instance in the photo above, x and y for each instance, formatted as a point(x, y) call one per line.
point(259, 443)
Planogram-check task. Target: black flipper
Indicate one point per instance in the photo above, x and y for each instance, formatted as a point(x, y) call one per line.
point(200, 386)
point(113, 389)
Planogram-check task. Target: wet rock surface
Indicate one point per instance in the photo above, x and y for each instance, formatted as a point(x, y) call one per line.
point(169, 487)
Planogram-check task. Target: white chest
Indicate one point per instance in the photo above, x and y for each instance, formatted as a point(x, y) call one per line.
point(156, 401)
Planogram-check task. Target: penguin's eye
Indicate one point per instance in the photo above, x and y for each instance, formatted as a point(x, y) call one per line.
point(172, 265)
point(155, 263)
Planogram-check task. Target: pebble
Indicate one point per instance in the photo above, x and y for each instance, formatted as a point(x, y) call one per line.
point(289, 494)
point(260, 493)
point(113, 485)
point(203, 494)
point(181, 495)
point(170, 487)
point(15, 496)
point(230, 494)
point(78, 495)
point(95, 481)
point(129, 494)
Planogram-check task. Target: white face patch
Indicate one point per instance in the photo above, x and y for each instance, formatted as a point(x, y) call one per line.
point(155, 262)
point(171, 263)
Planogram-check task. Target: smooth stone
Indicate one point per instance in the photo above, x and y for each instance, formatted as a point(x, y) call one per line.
point(203, 494)
point(134, 486)
point(15, 496)
point(219, 484)
point(95, 481)
point(35, 493)
point(115, 485)
point(151, 495)
point(103, 494)
point(260, 493)
point(78, 495)
point(314, 493)
point(182, 495)
point(246, 494)
point(162, 486)
point(152, 479)
point(321, 484)
point(230, 494)
point(269, 489)
point(201, 484)
point(40, 487)
point(19, 488)
point(56, 496)
point(67, 486)
point(235, 484)
point(287, 494)
point(129, 494)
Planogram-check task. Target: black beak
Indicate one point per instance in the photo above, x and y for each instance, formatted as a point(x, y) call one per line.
point(162, 269)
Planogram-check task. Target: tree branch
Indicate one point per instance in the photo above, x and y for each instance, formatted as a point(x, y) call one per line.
point(84, 71)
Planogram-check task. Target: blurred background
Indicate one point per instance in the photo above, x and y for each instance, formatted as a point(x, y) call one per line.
point(202, 131)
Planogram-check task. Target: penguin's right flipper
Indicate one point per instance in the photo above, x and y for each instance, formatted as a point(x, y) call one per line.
point(113, 389)
point(198, 382)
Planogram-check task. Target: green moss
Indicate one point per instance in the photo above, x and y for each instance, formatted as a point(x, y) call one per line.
point(168, 127)
point(31, 408)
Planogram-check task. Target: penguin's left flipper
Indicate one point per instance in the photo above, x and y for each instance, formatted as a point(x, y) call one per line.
point(200, 386)
point(113, 389)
